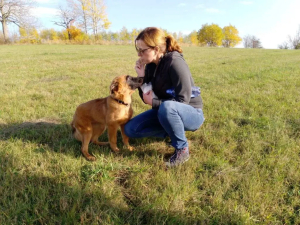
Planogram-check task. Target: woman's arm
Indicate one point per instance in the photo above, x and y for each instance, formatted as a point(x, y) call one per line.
point(148, 74)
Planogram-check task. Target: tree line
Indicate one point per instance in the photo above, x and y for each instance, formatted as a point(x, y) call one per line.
point(291, 42)
point(74, 34)
point(86, 21)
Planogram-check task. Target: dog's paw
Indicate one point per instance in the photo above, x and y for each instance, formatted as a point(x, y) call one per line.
point(116, 150)
point(91, 158)
point(130, 148)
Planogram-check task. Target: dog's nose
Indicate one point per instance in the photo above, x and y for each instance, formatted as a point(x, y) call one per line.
point(140, 79)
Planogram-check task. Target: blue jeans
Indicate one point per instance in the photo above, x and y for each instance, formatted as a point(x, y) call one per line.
point(171, 119)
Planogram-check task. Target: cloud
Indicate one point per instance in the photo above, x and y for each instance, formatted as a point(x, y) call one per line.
point(42, 1)
point(186, 32)
point(246, 2)
point(212, 10)
point(44, 12)
point(182, 5)
point(50, 2)
point(200, 6)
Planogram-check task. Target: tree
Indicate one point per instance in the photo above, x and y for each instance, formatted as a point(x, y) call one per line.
point(90, 15)
point(250, 41)
point(165, 32)
point(134, 34)
point(77, 34)
point(67, 19)
point(210, 35)
point(29, 35)
point(49, 34)
point(174, 34)
point(79, 9)
point(193, 38)
point(180, 37)
point(97, 16)
point(124, 35)
point(284, 45)
point(16, 12)
point(292, 42)
point(231, 36)
point(115, 37)
point(295, 41)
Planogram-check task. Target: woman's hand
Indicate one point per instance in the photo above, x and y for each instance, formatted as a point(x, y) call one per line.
point(140, 68)
point(148, 97)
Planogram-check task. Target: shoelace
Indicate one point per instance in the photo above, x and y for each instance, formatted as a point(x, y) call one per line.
point(176, 155)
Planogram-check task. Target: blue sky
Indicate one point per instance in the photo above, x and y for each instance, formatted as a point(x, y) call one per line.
point(269, 20)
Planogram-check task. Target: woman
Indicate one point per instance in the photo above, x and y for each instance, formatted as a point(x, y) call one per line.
point(162, 65)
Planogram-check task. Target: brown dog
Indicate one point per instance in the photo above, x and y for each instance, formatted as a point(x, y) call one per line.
point(91, 118)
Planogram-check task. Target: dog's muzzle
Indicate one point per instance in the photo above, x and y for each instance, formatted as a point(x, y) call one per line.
point(134, 82)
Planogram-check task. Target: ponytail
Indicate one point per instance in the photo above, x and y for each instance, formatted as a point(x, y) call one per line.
point(172, 45)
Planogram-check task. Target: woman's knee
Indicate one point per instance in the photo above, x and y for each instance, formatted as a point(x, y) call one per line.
point(166, 108)
point(128, 129)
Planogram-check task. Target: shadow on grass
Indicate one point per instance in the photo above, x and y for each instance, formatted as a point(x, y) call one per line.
point(36, 199)
point(46, 134)
point(58, 138)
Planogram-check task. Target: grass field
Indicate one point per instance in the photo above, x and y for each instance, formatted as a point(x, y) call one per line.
point(244, 166)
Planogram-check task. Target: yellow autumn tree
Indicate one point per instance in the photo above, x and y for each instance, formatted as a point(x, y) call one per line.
point(231, 36)
point(124, 35)
point(193, 38)
point(210, 35)
point(76, 34)
point(90, 15)
point(180, 37)
point(165, 31)
point(134, 33)
point(29, 35)
point(97, 17)
point(49, 34)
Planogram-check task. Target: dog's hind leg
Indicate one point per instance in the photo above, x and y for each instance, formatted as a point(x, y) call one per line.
point(98, 130)
point(86, 138)
point(77, 135)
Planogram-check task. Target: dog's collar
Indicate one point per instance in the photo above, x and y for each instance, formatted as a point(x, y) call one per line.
point(119, 101)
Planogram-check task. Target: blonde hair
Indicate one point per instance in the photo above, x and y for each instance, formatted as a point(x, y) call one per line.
point(153, 36)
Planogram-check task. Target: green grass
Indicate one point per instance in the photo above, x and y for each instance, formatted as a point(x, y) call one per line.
point(244, 166)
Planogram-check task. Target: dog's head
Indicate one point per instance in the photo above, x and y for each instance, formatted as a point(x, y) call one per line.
point(125, 85)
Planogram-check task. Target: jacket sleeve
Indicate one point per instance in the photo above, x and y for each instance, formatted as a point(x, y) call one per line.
point(141, 93)
point(156, 103)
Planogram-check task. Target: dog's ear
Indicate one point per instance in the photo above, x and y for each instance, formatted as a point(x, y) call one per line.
point(114, 87)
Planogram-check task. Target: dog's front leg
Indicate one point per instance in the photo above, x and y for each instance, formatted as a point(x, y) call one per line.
point(112, 136)
point(125, 138)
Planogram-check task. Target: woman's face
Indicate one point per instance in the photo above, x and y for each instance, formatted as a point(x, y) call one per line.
point(147, 54)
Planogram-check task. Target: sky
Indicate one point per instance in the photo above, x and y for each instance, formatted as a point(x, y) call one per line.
point(272, 21)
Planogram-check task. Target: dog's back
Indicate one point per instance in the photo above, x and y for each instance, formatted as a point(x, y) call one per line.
point(91, 118)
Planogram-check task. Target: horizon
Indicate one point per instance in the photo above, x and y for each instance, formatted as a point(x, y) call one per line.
point(269, 21)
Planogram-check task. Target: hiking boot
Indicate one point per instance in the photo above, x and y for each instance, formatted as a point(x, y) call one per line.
point(179, 157)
